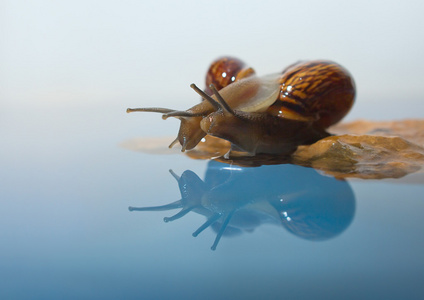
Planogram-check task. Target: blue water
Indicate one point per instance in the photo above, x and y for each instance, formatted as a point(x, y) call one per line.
point(292, 233)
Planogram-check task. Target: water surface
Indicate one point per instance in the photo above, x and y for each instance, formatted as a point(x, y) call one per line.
point(67, 233)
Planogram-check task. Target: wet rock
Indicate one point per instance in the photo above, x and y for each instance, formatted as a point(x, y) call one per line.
point(368, 150)
point(360, 149)
point(362, 156)
point(410, 130)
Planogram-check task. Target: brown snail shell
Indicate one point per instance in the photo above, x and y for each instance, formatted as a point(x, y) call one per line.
point(322, 90)
point(224, 71)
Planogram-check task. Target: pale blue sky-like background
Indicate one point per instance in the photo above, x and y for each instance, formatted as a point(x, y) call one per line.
point(69, 70)
point(146, 53)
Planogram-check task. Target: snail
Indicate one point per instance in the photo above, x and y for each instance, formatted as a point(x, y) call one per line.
point(272, 114)
point(235, 200)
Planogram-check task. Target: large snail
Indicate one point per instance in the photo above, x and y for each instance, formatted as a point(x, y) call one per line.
point(272, 114)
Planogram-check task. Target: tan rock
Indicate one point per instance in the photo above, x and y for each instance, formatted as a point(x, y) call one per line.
point(362, 156)
point(360, 149)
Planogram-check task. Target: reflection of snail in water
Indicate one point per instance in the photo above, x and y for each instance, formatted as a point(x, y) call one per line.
point(271, 114)
point(236, 199)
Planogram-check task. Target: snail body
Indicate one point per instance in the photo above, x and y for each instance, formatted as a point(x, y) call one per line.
point(271, 114)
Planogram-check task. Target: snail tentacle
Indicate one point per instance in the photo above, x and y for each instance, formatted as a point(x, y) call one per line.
point(180, 214)
point(205, 96)
point(208, 223)
point(173, 205)
point(223, 104)
point(177, 178)
point(221, 231)
point(181, 113)
point(151, 109)
point(173, 143)
point(184, 145)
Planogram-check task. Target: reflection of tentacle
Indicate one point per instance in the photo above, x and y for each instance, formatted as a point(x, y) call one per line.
point(180, 214)
point(208, 223)
point(222, 229)
point(173, 205)
point(177, 178)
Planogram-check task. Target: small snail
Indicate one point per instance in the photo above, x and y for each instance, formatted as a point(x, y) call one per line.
point(272, 114)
